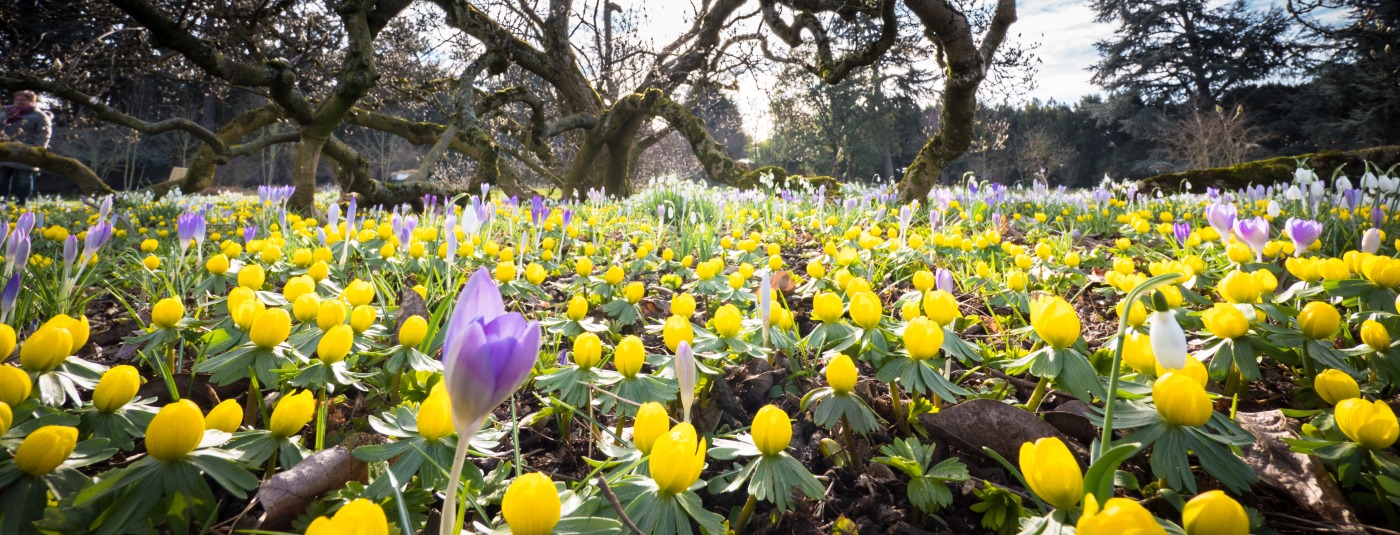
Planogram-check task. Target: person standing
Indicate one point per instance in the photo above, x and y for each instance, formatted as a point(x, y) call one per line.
point(24, 123)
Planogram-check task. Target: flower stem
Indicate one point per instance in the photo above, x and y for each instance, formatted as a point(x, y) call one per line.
point(459, 459)
point(746, 514)
point(1107, 438)
point(321, 419)
point(895, 404)
point(1038, 395)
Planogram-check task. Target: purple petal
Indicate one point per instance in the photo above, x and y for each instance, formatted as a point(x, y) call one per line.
point(480, 298)
point(517, 367)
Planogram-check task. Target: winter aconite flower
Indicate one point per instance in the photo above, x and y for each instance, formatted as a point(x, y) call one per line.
point(15, 385)
point(676, 330)
point(330, 313)
point(1214, 513)
point(728, 321)
point(1239, 287)
point(588, 350)
point(677, 458)
point(226, 416)
point(922, 338)
point(252, 277)
point(292, 413)
point(1052, 472)
point(1375, 335)
point(45, 449)
point(412, 331)
point(772, 430)
point(1118, 516)
point(866, 310)
point(118, 385)
point(1319, 320)
point(270, 328)
point(1225, 321)
point(578, 308)
point(435, 415)
point(167, 312)
point(359, 517)
point(650, 423)
point(358, 293)
point(48, 347)
point(1181, 400)
point(1370, 424)
point(1335, 386)
point(629, 356)
point(1055, 321)
point(827, 307)
point(175, 431)
point(841, 374)
point(335, 344)
point(531, 505)
point(941, 307)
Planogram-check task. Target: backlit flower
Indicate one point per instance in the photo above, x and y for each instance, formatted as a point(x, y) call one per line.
point(175, 431)
point(1052, 472)
point(677, 457)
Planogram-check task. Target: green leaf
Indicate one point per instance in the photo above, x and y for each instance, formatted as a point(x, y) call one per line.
point(1098, 480)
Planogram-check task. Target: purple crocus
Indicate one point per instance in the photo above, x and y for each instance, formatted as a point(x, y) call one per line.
point(249, 232)
point(1181, 230)
point(1255, 233)
point(17, 249)
point(70, 252)
point(10, 295)
point(487, 354)
point(185, 227)
point(944, 280)
point(95, 237)
point(1221, 217)
point(1377, 216)
point(685, 377)
point(537, 210)
point(449, 230)
point(1303, 232)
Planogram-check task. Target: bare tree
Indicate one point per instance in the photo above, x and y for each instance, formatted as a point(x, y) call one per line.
point(1205, 140)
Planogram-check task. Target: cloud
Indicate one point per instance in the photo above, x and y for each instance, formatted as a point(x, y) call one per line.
point(1066, 32)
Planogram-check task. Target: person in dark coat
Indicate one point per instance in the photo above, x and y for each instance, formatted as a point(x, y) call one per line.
point(24, 123)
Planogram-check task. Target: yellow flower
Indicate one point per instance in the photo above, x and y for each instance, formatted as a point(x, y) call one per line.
point(531, 505)
point(613, 275)
point(435, 414)
point(827, 307)
point(578, 308)
point(651, 422)
point(1225, 321)
point(588, 350)
point(331, 312)
point(1334, 386)
point(305, 307)
point(175, 431)
point(1052, 472)
point(922, 338)
point(535, 273)
point(1016, 281)
point(297, 287)
point(1239, 287)
point(335, 344)
point(924, 280)
point(1055, 321)
point(1214, 513)
point(1119, 516)
point(815, 269)
point(292, 413)
point(149, 245)
point(841, 374)
point(772, 430)
point(319, 271)
point(1370, 424)
point(116, 388)
point(1381, 270)
point(362, 318)
point(7, 417)
point(226, 416)
point(44, 350)
point(676, 330)
point(14, 385)
point(1375, 335)
point(505, 272)
point(1136, 316)
point(252, 277)
point(45, 449)
point(728, 321)
point(78, 328)
point(629, 356)
point(152, 262)
point(583, 267)
point(7, 341)
point(941, 307)
point(167, 312)
point(1137, 353)
point(1181, 400)
point(677, 457)
point(635, 291)
point(217, 264)
point(270, 328)
point(358, 293)
point(359, 517)
point(866, 309)
point(413, 330)
point(683, 304)
point(1319, 320)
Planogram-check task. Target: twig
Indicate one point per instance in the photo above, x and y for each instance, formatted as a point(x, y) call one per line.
point(617, 506)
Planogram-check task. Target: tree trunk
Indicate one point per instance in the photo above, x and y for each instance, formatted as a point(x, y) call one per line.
point(80, 174)
point(953, 137)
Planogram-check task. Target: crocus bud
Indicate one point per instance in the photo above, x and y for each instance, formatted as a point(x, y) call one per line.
point(772, 430)
point(1371, 240)
point(118, 385)
point(685, 376)
point(292, 413)
point(175, 431)
point(45, 449)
